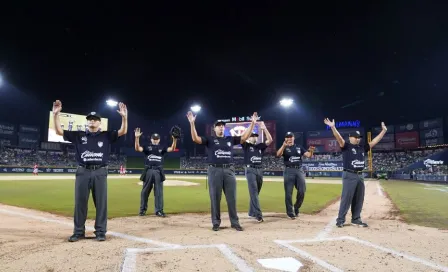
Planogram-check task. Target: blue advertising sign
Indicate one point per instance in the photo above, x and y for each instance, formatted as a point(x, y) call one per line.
point(434, 123)
point(27, 129)
point(320, 134)
point(431, 133)
point(431, 142)
point(347, 124)
point(7, 129)
point(377, 130)
point(407, 127)
point(28, 140)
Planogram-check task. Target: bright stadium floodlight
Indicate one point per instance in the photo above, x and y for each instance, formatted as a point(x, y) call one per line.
point(111, 103)
point(286, 102)
point(195, 108)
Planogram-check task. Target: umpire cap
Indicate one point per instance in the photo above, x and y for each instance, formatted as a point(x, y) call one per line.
point(93, 115)
point(155, 136)
point(289, 134)
point(219, 122)
point(355, 134)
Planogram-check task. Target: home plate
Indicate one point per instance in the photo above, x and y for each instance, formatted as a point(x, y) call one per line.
point(283, 264)
point(174, 182)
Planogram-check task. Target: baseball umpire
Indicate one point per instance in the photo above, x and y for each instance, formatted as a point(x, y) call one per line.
point(153, 175)
point(293, 176)
point(253, 155)
point(221, 170)
point(353, 160)
point(92, 154)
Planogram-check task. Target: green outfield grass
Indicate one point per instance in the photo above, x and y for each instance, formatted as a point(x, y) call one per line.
point(417, 205)
point(56, 196)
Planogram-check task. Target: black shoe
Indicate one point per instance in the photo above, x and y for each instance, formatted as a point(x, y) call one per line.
point(160, 214)
point(142, 214)
point(237, 227)
point(101, 237)
point(215, 227)
point(76, 237)
point(292, 217)
point(296, 212)
point(339, 225)
point(260, 219)
point(359, 223)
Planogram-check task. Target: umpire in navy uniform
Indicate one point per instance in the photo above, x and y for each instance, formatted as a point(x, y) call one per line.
point(92, 154)
point(253, 156)
point(353, 188)
point(153, 175)
point(293, 175)
point(221, 170)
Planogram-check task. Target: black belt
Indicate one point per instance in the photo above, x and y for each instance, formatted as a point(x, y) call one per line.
point(93, 166)
point(254, 166)
point(153, 166)
point(294, 166)
point(353, 171)
point(221, 165)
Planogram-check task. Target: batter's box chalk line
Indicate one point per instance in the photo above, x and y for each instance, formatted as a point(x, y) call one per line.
point(130, 257)
point(306, 255)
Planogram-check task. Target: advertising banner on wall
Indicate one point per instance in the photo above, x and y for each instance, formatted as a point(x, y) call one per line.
point(7, 129)
point(384, 146)
point(407, 127)
point(431, 142)
point(386, 138)
point(434, 123)
point(324, 144)
point(431, 133)
point(29, 129)
point(28, 140)
point(377, 130)
point(407, 139)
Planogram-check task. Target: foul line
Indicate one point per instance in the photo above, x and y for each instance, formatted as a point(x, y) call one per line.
point(112, 233)
point(379, 189)
point(287, 244)
point(130, 259)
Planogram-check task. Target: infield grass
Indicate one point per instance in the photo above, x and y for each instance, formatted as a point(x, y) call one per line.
point(57, 196)
point(420, 204)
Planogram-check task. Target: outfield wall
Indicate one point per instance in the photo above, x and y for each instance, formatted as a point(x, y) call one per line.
point(67, 170)
point(430, 178)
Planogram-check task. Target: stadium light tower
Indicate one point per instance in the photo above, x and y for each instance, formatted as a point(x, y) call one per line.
point(111, 103)
point(286, 102)
point(195, 108)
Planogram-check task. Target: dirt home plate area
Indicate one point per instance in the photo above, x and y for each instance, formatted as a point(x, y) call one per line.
point(37, 241)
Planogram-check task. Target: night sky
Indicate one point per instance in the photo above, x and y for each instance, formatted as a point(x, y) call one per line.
point(355, 61)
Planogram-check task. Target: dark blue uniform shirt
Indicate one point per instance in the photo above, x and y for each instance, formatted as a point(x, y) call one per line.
point(353, 156)
point(253, 153)
point(154, 155)
point(220, 149)
point(91, 148)
point(292, 155)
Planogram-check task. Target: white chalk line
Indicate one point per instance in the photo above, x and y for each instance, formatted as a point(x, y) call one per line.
point(130, 260)
point(327, 230)
point(287, 243)
point(379, 189)
point(112, 233)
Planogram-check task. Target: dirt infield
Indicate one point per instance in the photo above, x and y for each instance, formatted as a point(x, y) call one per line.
point(37, 241)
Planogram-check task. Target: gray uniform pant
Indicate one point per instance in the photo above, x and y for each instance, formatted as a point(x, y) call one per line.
point(86, 180)
point(219, 180)
point(153, 179)
point(294, 177)
point(353, 189)
point(254, 178)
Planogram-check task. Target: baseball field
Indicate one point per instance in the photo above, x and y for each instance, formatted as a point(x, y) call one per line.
point(408, 229)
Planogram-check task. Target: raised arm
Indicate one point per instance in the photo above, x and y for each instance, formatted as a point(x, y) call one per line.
point(173, 145)
point(336, 134)
point(249, 130)
point(280, 151)
point(194, 134)
point(57, 107)
point(310, 152)
point(138, 148)
point(266, 131)
point(123, 111)
point(379, 136)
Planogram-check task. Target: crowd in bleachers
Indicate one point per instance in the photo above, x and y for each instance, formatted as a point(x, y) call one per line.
point(45, 158)
point(381, 161)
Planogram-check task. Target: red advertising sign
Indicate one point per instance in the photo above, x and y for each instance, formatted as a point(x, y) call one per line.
point(327, 144)
point(407, 139)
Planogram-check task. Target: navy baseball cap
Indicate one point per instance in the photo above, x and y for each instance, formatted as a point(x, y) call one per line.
point(355, 134)
point(219, 122)
point(289, 134)
point(155, 136)
point(93, 115)
point(254, 134)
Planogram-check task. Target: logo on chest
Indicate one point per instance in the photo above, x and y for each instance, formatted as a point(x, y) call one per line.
point(100, 144)
point(84, 139)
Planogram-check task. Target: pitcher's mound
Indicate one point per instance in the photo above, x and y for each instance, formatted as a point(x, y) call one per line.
point(174, 182)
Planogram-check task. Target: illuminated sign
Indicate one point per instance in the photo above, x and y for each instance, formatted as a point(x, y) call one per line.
point(347, 124)
point(239, 119)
